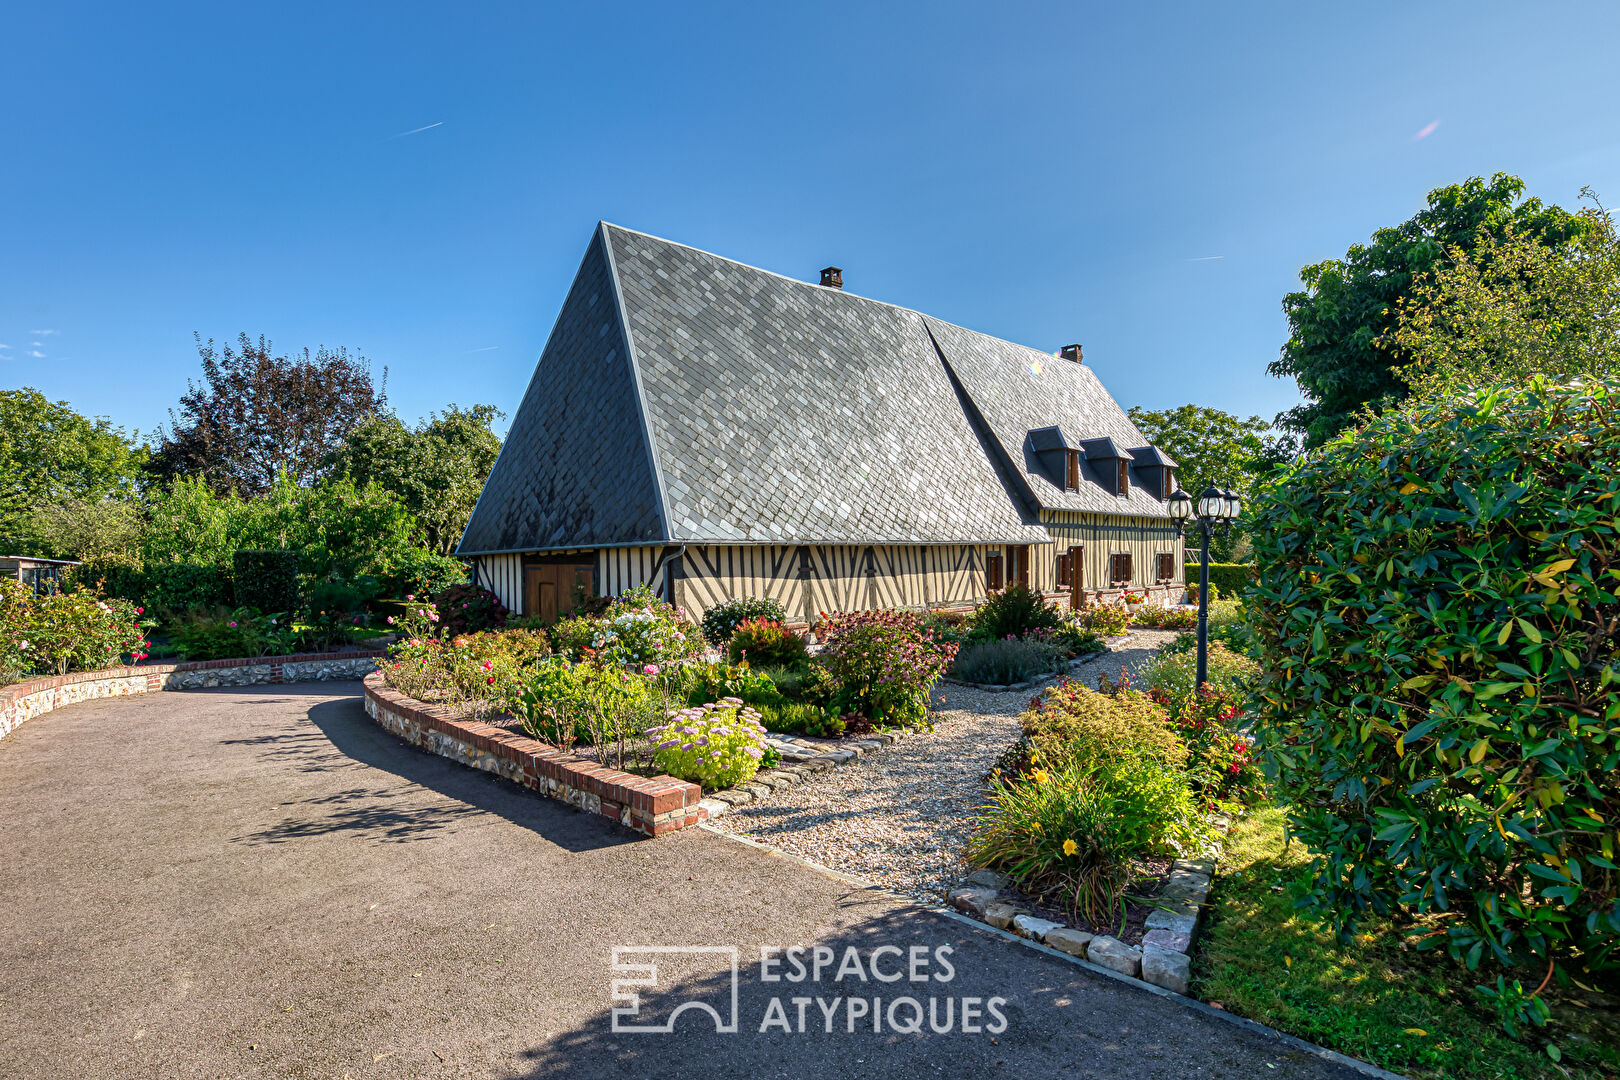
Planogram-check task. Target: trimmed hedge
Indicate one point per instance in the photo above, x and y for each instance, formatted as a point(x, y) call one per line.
point(1436, 609)
point(266, 581)
point(1229, 578)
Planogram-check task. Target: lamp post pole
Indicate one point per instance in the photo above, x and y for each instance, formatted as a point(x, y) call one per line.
point(1203, 607)
point(1214, 507)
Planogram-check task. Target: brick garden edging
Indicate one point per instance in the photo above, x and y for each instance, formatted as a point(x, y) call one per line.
point(649, 805)
point(24, 701)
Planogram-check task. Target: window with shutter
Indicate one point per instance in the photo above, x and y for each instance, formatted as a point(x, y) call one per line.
point(1166, 570)
point(1119, 571)
point(1062, 569)
point(1124, 485)
point(992, 573)
point(1073, 480)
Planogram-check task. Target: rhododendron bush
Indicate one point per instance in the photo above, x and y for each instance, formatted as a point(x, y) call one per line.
point(65, 631)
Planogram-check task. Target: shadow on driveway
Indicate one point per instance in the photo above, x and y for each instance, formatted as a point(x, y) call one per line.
point(344, 737)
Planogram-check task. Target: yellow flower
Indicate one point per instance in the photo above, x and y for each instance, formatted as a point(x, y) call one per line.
point(1070, 847)
point(1040, 776)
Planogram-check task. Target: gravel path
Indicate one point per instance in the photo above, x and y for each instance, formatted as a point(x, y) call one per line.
point(901, 816)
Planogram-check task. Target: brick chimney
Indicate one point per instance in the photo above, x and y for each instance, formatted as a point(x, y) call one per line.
point(1072, 352)
point(832, 277)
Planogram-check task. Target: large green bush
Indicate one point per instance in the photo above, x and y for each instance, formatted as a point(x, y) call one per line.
point(266, 580)
point(721, 620)
point(1436, 608)
point(1225, 578)
point(1014, 612)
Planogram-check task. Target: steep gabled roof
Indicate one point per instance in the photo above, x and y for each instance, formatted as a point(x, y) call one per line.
point(683, 397)
point(1017, 390)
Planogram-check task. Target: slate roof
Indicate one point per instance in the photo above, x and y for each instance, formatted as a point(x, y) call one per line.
point(683, 397)
point(1019, 390)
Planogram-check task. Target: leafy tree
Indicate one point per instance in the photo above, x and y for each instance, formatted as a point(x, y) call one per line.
point(437, 468)
point(1212, 447)
point(1514, 308)
point(51, 454)
point(256, 413)
point(1340, 349)
point(106, 532)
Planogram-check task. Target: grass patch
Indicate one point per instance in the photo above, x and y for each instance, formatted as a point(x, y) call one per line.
point(1411, 1012)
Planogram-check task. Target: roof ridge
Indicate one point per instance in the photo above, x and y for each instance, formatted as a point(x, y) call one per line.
point(820, 289)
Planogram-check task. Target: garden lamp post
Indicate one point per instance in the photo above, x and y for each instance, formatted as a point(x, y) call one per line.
point(1214, 507)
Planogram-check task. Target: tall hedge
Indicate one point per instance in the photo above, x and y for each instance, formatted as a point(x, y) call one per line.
point(1229, 578)
point(1436, 603)
point(266, 580)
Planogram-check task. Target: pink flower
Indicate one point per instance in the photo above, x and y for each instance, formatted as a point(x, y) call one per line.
point(232, 625)
point(390, 620)
point(650, 669)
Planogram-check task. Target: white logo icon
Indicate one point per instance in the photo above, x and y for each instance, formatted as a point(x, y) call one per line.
point(646, 974)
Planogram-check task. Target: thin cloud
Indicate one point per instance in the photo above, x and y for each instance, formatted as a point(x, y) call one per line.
point(1426, 130)
point(43, 333)
point(417, 131)
point(36, 354)
point(37, 344)
point(486, 348)
point(1206, 258)
point(5, 346)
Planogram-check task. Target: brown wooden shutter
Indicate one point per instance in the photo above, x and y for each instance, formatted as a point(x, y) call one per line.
point(992, 573)
point(1119, 568)
point(1124, 486)
point(1167, 566)
point(1063, 570)
point(1074, 471)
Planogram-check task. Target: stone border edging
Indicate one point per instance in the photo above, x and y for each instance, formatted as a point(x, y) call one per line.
point(1202, 1008)
point(21, 702)
point(652, 806)
point(801, 760)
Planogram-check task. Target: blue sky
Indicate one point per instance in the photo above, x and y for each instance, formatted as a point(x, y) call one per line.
point(418, 182)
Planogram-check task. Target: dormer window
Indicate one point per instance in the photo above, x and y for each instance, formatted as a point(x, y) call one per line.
point(1072, 475)
point(1123, 486)
point(1167, 482)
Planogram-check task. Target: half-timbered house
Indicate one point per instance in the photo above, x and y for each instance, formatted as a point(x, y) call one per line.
point(716, 430)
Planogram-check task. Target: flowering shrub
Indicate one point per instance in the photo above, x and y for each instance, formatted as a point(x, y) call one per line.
point(1221, 763)
point(720, 620)
point(16, 613)
point(638, 629)
point(717, 745)
point(467, 609)
point(1153, 617)
point(602, 706)
point(885, 663)
point(1069, 835)
point(765, 643)
point(1174, 673)
point(80, 631)
point(1105, 620)
point(481, 671)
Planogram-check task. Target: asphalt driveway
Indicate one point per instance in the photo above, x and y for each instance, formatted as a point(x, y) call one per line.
point(261, 883)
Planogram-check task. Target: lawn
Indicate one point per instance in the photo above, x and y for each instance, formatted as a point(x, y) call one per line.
point(1372, 998)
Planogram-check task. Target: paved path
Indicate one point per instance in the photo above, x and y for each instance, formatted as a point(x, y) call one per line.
point(260, 883)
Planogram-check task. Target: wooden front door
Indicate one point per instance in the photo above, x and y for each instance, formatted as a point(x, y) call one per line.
point(548, 588)
point(1077, 576)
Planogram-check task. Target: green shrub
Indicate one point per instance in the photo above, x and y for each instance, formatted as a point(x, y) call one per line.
point(720, 620)
point(420, 572)
point(1077, 641)
point(16, 612)
point(467, 609)
point(1009, 660)
point(1069, 835)
point(266, 581)
point(571, 635)
point(227, 633)
point(1072, 725)
point(718, 745)
point(700, 684)
point(797, 718)
point(334, 609)
point(639, 629)
point(1014, 612)
point(1436, 610)
point(601, 706)
point(768, 644)
point(1174, 673)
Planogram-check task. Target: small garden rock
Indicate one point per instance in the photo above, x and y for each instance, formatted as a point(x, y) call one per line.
point(1069, 940)
point(1172, 921)
point(990, 879)
point(1001, 915)
point(1115, 955)
point(1168, 940)
point(972, 899)
point(1171, 970)
point(1033, 928)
